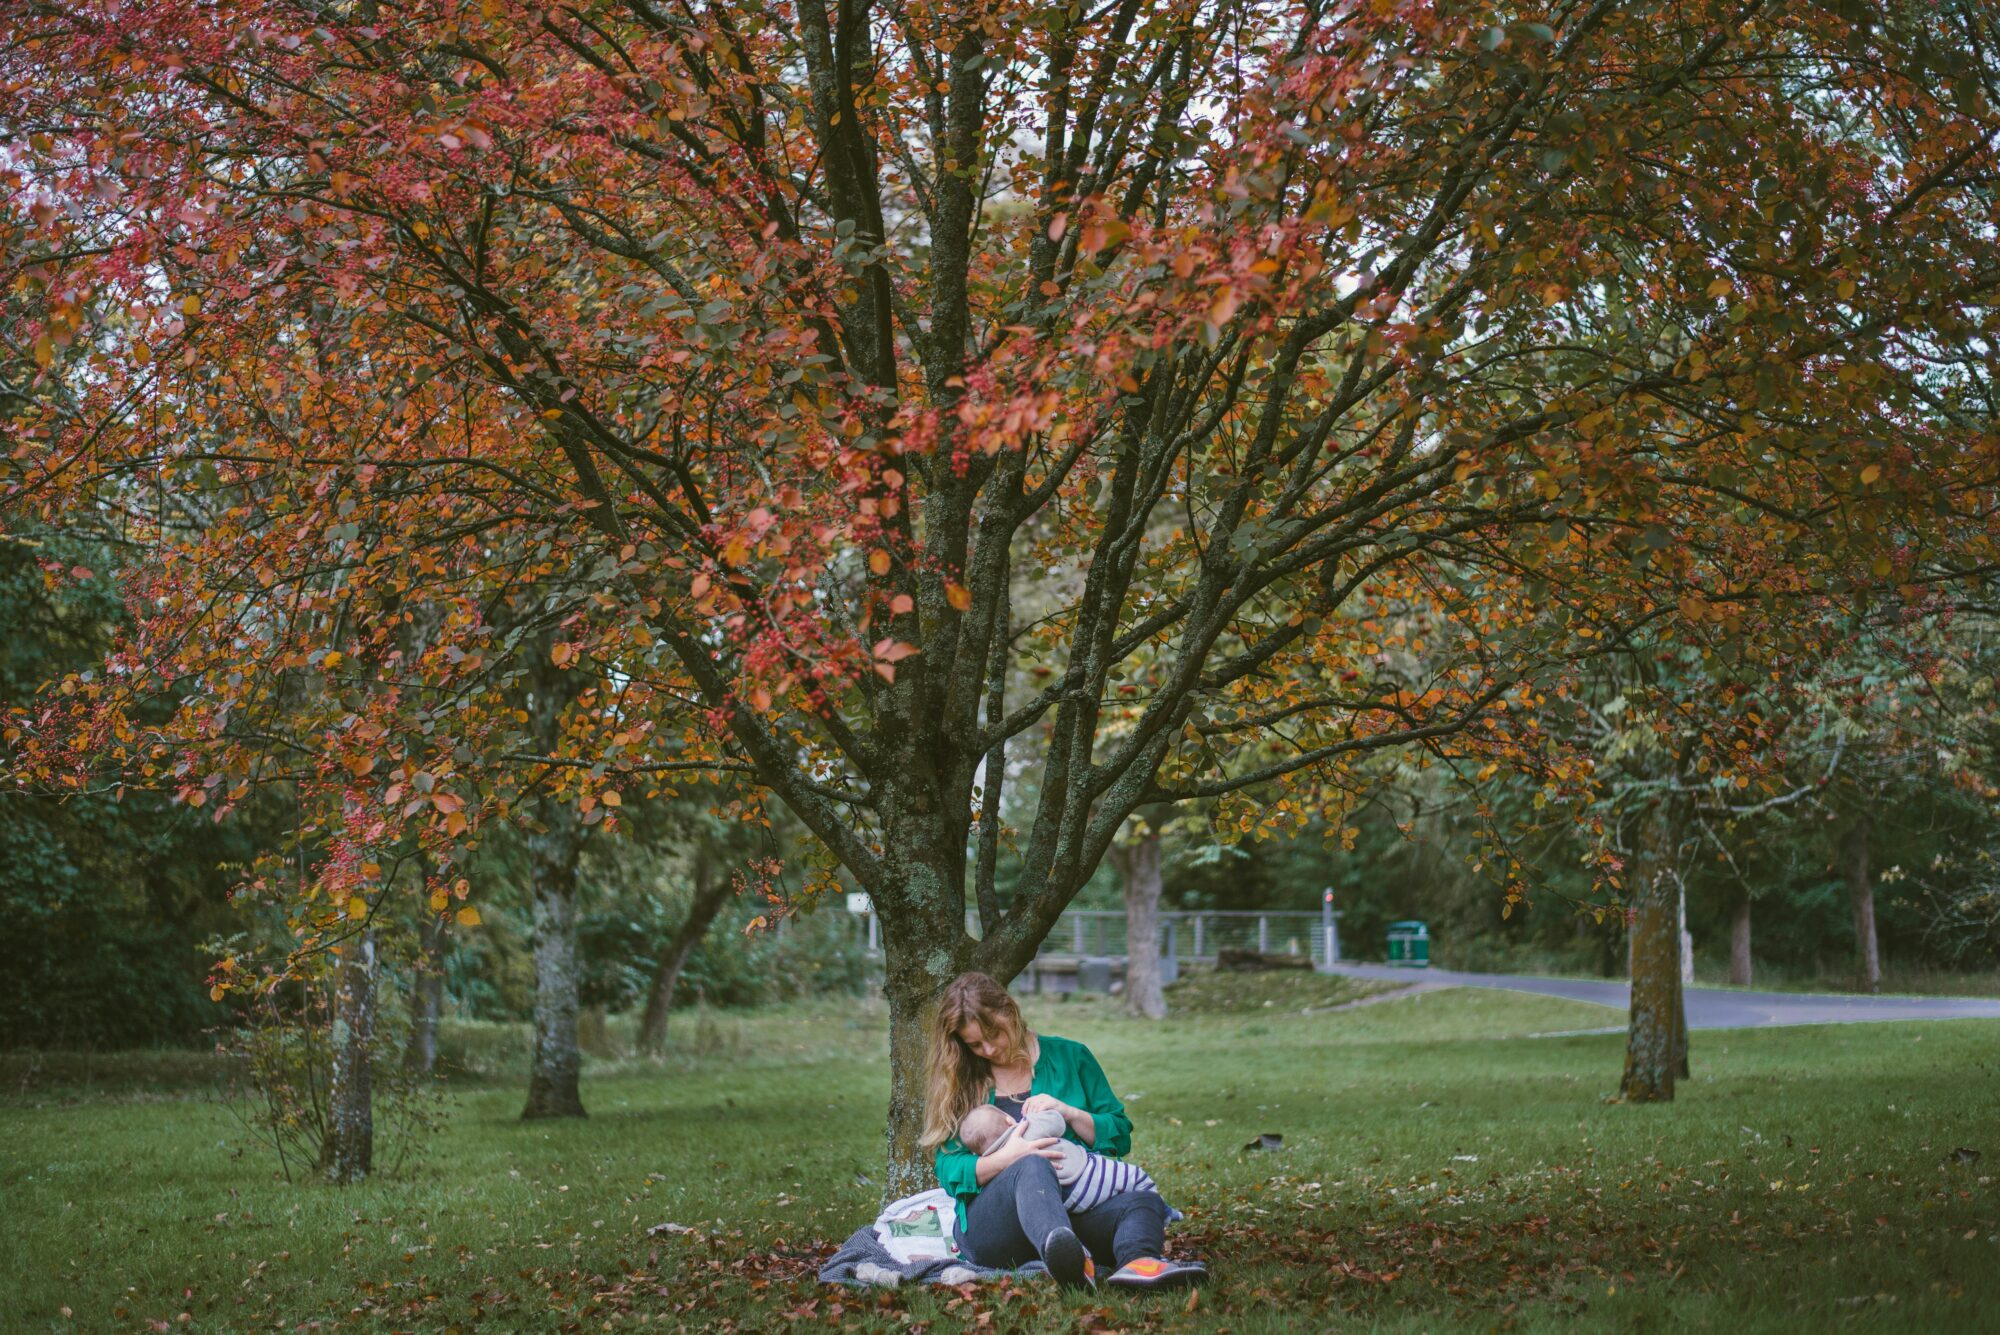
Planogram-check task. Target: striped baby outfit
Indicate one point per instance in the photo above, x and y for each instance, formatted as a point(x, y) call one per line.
point(1087, 1179)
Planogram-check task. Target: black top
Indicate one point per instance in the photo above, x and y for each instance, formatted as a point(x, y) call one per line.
point(1010, 1104)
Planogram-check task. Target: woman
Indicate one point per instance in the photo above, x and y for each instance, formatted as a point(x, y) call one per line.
point(1010, 1206)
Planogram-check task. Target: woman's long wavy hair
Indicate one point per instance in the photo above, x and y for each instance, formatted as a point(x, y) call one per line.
point(956, 1079)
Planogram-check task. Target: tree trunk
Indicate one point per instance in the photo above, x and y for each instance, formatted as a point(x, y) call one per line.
point(426, 998)
point(558, 1060)
point(1139, 868)
point(917, 963)
point(1739, 943)
point(910, 1169)
point(1656, 1041)
point(348, 1153)
point(711, 892)
point(1861, 898)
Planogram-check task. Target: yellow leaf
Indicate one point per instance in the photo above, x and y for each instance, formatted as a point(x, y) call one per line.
point(1870, 473)
point(215, 993)
point(439, 900)
point(468, 916)
point(612, 799)
point(357, 907)
point(1721, 287)
point(372, 870)
point(190, 305)
point(454, 824)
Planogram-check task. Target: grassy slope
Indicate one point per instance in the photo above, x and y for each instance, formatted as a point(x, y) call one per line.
point(1441, 1171)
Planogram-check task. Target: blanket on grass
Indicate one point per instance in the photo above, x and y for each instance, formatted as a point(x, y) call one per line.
point(913, 1241)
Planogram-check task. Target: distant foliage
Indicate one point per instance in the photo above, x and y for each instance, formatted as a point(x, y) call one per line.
point(104, 898)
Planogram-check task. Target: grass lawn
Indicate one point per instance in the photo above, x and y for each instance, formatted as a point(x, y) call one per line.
point(1442, 1169)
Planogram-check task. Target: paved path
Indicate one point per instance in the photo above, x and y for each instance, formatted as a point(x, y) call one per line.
point(1709, 1007)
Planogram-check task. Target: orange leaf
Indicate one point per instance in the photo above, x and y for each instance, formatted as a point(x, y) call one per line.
point(878, 562)
point(959, 597)
point(468, 916)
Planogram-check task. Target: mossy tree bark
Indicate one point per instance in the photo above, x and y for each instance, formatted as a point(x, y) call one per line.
point(555, 846)
point(558, 1058)
point(1656, 1040)
point(347, 1155)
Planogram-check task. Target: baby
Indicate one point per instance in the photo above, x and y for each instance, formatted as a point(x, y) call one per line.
point(1088, 1179)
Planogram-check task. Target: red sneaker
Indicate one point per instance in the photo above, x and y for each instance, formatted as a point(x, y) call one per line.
point(1150, 1272)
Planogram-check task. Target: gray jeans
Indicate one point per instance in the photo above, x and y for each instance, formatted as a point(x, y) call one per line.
point(1013, 1214)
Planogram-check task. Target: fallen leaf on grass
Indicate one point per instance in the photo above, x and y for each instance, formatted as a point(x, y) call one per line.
point(1269, 1140)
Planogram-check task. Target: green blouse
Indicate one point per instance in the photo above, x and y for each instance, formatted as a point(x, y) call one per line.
point(1065, 1069)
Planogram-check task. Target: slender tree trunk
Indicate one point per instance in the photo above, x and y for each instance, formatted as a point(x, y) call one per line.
point(427, 998)
point(1138, 867)
point(1739, 943)
point(348, 1154)
point(711, 892)
point(558, 1060)
point(1861, 898)
point(1656, 1041)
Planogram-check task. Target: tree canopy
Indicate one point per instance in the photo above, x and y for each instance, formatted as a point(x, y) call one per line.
point(1328, 378)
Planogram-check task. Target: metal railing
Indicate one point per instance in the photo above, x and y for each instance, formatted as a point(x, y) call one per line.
point(1183, 936)
point(1198, 936)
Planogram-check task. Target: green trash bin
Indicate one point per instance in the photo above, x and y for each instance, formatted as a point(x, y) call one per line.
point(1410, 944)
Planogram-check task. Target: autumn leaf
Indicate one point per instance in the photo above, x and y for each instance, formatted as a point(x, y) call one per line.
point(468, 916)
